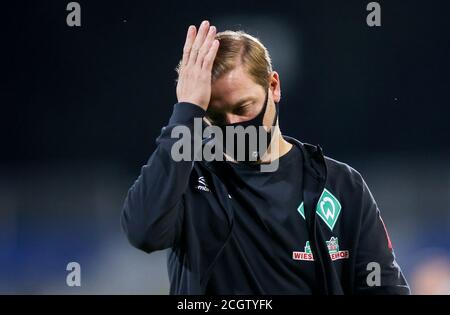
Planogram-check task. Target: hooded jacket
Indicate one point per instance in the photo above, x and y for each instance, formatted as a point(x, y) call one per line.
point(165, 210)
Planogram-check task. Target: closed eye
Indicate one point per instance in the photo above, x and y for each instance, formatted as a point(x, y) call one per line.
point(242, 110)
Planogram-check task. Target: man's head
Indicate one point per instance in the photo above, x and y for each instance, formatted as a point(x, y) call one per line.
point(234, 82)
point(242, 76)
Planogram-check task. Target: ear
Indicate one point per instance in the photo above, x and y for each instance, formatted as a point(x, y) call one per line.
point(275, 86)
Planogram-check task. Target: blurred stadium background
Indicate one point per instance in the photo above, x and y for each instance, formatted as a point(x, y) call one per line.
point(81, 108)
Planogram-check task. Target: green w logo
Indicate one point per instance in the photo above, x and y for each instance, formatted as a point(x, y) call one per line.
point(328, 208)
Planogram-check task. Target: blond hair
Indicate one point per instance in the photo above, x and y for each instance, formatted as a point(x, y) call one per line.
point(238, 48)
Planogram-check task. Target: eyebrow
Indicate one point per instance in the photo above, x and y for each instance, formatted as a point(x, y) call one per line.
point(237, 104)
point(240, 102)
point(243, 100)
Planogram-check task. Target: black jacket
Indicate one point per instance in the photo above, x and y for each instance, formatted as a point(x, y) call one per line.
point(164, 209)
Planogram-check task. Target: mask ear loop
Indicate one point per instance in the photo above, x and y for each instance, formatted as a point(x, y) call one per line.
point(275, 118)
point(263, 111)
point(274, 122)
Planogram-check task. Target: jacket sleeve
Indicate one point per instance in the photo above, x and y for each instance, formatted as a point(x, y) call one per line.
point(377, 271)
point(153, 210)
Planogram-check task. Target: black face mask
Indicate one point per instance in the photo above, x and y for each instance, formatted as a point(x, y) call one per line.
point(249, 151)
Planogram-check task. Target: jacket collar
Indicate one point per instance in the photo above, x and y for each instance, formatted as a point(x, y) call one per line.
point(314, 160)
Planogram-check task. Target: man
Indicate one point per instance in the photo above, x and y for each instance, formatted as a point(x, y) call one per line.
point(310, 226)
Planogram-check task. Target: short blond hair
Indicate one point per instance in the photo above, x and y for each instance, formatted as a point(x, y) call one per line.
point(238, 48)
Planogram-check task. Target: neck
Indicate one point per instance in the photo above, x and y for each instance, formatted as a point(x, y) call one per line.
point(278, 147)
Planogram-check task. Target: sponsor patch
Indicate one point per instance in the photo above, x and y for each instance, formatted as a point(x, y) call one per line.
point(333, 250)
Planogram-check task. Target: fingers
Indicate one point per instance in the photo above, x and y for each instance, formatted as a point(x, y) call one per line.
point(200, 47)
point(206, 45)
point(190, 36)
point(199, 39)
point(208, 61)
point(195, 71)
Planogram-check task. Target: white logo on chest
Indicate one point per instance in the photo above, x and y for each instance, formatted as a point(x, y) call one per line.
point(330, 211)
point(202, 185)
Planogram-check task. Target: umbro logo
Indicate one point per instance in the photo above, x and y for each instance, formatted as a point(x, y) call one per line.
point(202, 184)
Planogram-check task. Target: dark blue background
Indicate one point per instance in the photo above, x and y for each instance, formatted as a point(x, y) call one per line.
point(81, 107)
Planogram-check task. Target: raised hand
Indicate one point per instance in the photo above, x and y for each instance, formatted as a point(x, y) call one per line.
point(199, 52)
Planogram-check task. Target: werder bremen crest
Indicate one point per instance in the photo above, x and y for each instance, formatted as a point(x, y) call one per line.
point(328, 208)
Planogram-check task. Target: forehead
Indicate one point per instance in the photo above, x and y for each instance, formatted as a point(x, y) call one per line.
point(233, 85)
